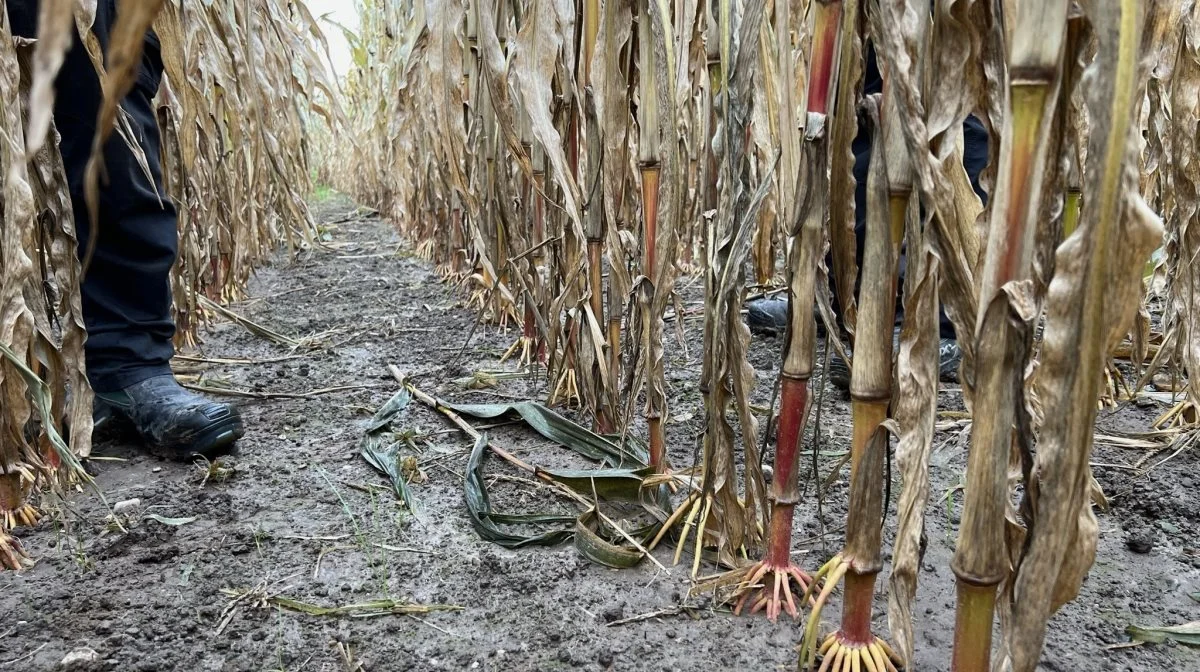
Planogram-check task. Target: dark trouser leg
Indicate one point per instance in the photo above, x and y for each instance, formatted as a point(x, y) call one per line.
point(975, 157)
point(126, 292)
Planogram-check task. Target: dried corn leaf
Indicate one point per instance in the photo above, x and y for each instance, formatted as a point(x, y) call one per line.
point(496, 68)
point(564, 432)
point(624, 484)
point(595, 548)
point(55, 32)
point(536, 52)
point(360, 609)
point(1187, 633)
point(1103, 258)
point(58, 315)
point(843, 126)
point(613, 120)
point(963, 47)
point(1183, 288)
point(41, 331)
point(726, 374)
point(386, 458)
point(915, 413)
point(486, 524)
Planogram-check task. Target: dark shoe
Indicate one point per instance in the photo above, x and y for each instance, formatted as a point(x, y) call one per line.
point(949, 357)
point(839, 371)
point(769, 316)
point(174, 423)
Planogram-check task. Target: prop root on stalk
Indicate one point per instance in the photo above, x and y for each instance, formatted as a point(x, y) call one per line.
point(775, 594)
point(870, 390)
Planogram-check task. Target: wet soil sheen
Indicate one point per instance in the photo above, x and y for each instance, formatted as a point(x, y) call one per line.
point(298, 514)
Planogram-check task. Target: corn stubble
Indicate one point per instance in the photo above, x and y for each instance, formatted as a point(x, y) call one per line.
point(236, 177)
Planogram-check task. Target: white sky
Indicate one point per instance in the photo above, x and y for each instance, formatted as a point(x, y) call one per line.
point(344, 13)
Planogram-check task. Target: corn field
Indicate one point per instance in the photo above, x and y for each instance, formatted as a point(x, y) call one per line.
point(569, 164)
point(239, 180)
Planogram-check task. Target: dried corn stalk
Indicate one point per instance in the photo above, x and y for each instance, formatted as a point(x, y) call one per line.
point(914, 402)
point(41, 325)
point(964, 60)
point(238, 175)
point(1090, 306)
point(728, 376)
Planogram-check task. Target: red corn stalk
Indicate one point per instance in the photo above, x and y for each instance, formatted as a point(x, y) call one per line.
point(807, 241)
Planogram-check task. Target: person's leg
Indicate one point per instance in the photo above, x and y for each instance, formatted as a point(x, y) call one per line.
point(126, 292)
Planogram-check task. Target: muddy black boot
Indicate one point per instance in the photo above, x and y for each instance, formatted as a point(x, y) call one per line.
point(769, 316)
point(949, 359)
point(174, 423)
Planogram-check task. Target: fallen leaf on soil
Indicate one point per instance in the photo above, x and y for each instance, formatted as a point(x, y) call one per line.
point(591, 546)
point(389, 411)
point(173, 522)
point(1188, 633)
point(479, 508)
point(388, 461)
point(385, 456)
point(564, 432)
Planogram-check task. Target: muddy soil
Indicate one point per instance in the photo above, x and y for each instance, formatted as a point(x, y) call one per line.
point(302, 516)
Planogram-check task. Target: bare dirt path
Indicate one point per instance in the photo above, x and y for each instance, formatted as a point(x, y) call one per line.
point(303, 517)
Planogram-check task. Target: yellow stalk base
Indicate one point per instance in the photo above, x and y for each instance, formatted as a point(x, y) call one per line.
point(973, 628)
